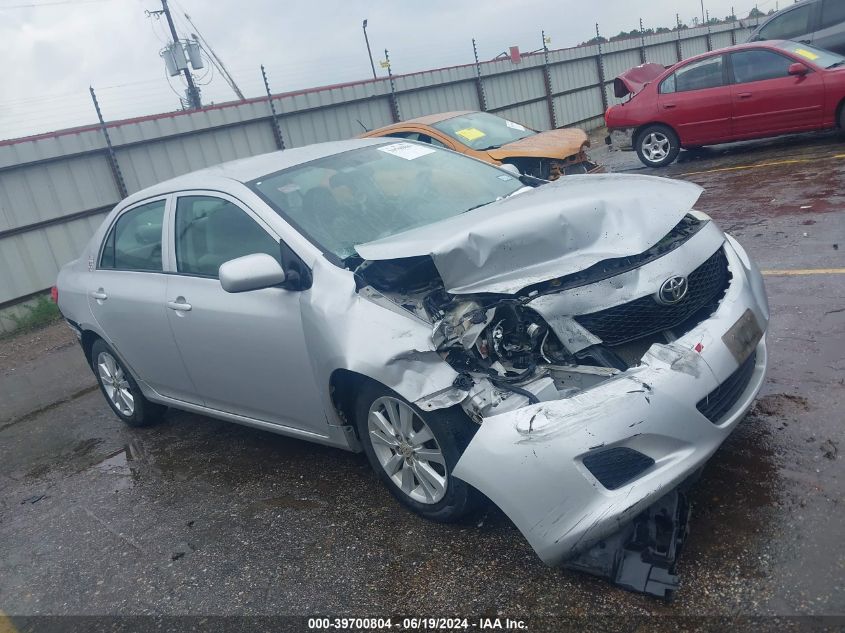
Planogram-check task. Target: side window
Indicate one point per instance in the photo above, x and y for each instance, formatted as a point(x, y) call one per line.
point(759, 65)
point(134, 242)
point(211, 231)
point(667, 86)
point(706, 73)
point(833, 13)
point(789, 25)
point(425, 138)
point(417, 136)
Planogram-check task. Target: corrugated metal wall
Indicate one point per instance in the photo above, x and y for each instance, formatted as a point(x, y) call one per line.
point(55, 188)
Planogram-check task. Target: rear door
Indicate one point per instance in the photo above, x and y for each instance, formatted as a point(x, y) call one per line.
point(767, 100)
point(696, 101)
point(830, 33)
point(245, 352)
point(127, 296)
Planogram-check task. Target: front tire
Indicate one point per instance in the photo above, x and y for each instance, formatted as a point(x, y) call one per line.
point(657, 146)
point(414, 453)
point(120, 390)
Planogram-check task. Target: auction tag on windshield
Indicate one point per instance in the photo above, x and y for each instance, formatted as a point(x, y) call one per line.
point(514, 126)
point(805, 53)
point(470, 133)
point(408, 151)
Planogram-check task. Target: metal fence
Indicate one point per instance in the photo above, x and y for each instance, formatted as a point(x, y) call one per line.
point(56, 187)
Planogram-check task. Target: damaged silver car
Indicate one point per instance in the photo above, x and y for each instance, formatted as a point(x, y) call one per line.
point(574, 351)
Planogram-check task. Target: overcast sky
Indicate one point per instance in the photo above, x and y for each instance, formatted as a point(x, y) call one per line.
point(54, 50)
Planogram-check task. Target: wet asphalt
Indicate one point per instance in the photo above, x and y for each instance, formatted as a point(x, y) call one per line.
point(196, 516)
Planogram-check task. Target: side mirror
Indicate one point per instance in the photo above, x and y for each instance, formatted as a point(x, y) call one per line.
point(798, 69)
point(251, 272)
point(513, 170)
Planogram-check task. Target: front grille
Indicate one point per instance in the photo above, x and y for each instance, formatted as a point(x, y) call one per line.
point(718, 402)
point(644, 316)
point(615, 467)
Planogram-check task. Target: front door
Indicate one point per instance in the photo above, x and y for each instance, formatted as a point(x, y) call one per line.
point(245, 352)
point(767, 100)
point(696, 102)
point(127, 295)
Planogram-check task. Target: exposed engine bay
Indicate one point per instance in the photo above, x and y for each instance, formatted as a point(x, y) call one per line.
point(506, 352)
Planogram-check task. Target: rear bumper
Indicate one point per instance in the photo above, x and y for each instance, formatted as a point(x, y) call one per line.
point(531, 462)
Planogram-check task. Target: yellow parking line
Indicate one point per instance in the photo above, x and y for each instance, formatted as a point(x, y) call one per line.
point(6, 625)
point(793, 161)
point(805, 271)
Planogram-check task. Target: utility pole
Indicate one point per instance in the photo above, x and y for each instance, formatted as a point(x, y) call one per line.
point(702, 12)
point(369, 52)
point(193, 93)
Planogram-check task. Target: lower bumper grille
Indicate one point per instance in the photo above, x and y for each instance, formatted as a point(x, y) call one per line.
point(644, 316)
point(718, 402)
point(615, 467)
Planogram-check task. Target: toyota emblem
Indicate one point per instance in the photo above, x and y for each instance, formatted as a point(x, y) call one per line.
point(672, 291)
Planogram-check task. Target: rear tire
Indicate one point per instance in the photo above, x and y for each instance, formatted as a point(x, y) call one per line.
point(414, 452)
point(657, 145)
point(120, 390)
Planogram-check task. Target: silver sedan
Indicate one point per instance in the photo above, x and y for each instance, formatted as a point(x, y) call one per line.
point(572, 350)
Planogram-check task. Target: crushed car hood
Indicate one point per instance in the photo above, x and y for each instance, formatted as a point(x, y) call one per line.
point(635, 79)
point(549, 144)
point(555, 230)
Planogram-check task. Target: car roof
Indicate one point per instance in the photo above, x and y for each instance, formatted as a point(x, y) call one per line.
point(428, 119)
point(730, 49)
point(244, 170)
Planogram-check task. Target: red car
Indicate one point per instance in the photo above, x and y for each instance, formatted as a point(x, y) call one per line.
point(737, 93)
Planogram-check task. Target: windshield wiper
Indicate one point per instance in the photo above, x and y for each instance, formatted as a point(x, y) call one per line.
point(841, 62)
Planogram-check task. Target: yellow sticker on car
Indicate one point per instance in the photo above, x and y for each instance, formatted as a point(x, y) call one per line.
point(470, 133)
point(805, 53)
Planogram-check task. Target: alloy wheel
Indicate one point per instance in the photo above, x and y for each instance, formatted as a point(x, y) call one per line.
point(656, 146)
point(115, 384)
point(407, 450)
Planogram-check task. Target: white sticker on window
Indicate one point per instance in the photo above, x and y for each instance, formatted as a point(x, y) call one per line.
point(408, 151)
point(515, 126)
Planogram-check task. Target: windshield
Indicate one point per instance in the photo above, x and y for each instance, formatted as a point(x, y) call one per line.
point(480, 130)
point(818, 56)
point(365, 194)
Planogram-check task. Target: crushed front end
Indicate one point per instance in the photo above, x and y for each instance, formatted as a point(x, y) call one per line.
point(600, 391)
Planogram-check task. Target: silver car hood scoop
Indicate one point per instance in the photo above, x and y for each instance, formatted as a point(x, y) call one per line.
point(555, 230)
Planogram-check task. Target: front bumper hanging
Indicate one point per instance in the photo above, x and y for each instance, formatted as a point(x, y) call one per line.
point(642, 555)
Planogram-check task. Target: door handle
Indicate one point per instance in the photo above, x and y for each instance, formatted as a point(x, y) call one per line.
point(99, 295)
point(180, 305)
point(669, 106)
point(744, 95)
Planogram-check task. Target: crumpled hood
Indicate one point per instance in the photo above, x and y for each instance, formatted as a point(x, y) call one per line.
point(633, 80)
point(549, 144)
point(555, 230)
